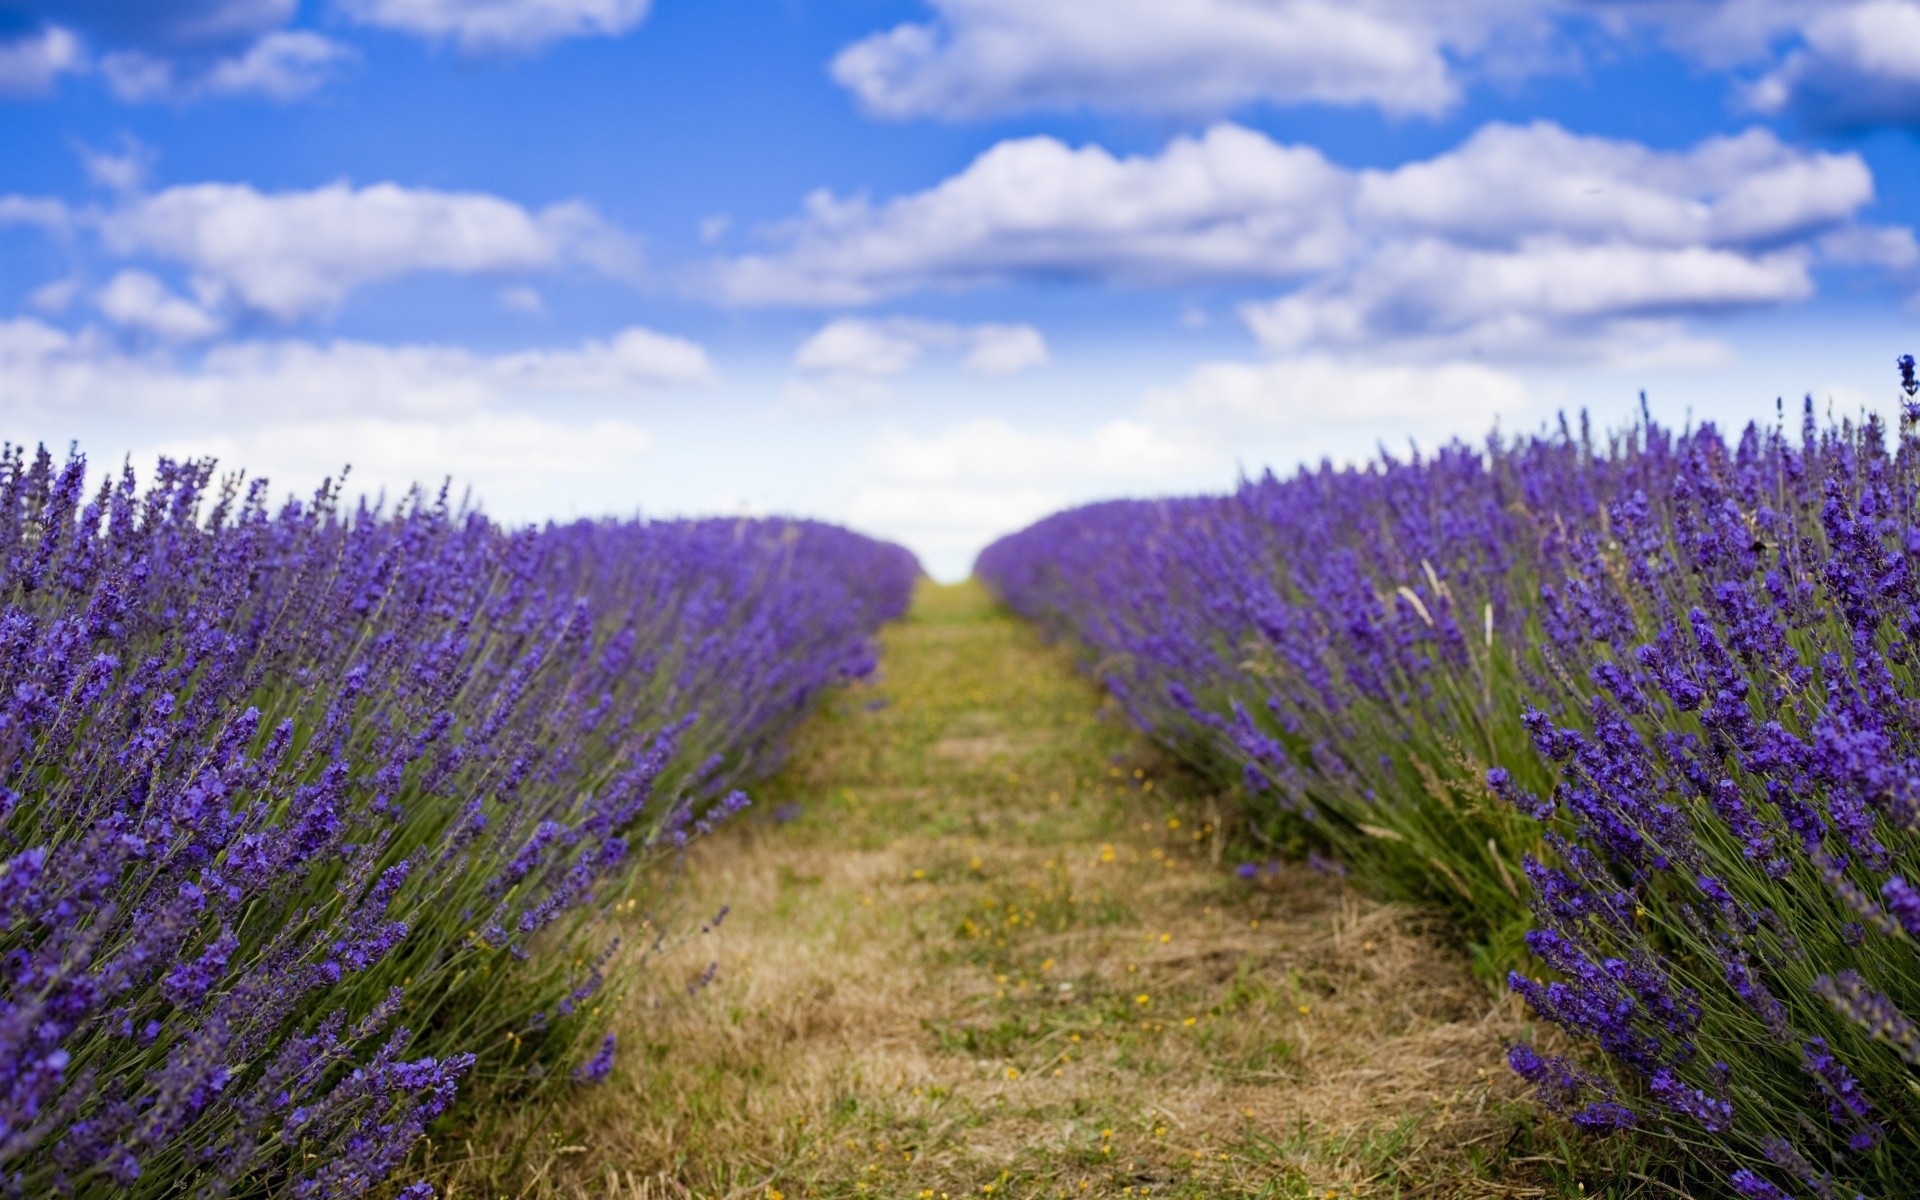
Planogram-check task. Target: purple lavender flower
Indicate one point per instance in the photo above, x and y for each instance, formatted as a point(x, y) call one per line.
point(1702, 646)
point(1755, 1188)
point(263, 762)
point(597, 1068)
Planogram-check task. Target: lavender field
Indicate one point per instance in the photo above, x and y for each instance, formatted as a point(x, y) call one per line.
point(334, 827)
point(1639, 710)
point(315, 817)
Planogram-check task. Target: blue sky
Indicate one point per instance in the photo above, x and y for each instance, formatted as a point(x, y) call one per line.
point(932, 267)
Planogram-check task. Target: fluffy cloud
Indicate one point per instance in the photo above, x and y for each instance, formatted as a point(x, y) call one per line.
point(1530, 238)
point(1507, 183)
point(982, 57)
point(976, 58)
point(1522, 238)
point(297, 254)
point(534, 434)
point(868, 349)
point(1548, 297)
point(1229, 204)
point(179, 50)
point(522, 465)
point(137, 300)
point(50, 215)
point(501, 25)
point(284, 65)
point(851, 346)
point(30, 64)
point(1858, 66)
point(44, 369)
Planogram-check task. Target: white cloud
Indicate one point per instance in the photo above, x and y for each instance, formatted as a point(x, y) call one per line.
point(1523, 239)
point(1529, 239)
point(631, 360)
point(507, 459)
point(534, 434)
point(1507, 183)
point(853, 354)
point(137, 300)
point(1858, 66)
point(123, 172)
point(284, 66)
point(298, 254)
point(49, 214)
point(852, 346)
point(985, 57)
point(30, 64)
point(281, 66)
point(1230, 204)
point(138, 77)
point(1005, 350)
point(1547, 297)
point(44, 369)
point(975, 58)
point(500, 25)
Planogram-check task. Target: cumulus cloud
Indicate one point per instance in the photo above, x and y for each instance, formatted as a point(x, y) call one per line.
point(177, 51)
point(46, 369)
point(31, 63)
point(137, 300)
point(1529, 238)
point(1509, 182)
point(851, 346)
point(1229, 204)
point(984, 57)
point(974, 58)
point(500, 25)
point(285, 65)
point(1857, 66)
point(48, 214)
point(298, 254)
point(125, 171)
point(1523, 238)
point(848, 360)
point(517, 463)
point(535, 433)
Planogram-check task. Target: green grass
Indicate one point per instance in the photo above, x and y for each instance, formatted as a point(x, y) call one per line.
point(1001, 952)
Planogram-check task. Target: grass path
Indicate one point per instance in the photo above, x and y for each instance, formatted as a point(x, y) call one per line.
point(984, 941)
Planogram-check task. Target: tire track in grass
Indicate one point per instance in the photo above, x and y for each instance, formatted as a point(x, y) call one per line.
point(985, 941)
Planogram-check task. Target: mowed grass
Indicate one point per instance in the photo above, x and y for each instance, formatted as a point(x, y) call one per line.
point(984, 941)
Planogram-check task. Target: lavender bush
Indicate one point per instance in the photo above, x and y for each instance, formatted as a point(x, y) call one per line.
point(310, 814)
point(1656, 703)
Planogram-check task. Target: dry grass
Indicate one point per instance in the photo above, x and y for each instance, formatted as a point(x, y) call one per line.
point(998, 953)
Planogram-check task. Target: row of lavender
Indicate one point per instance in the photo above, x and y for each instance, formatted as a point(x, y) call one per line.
point(311, 814)
point(1645, 717)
